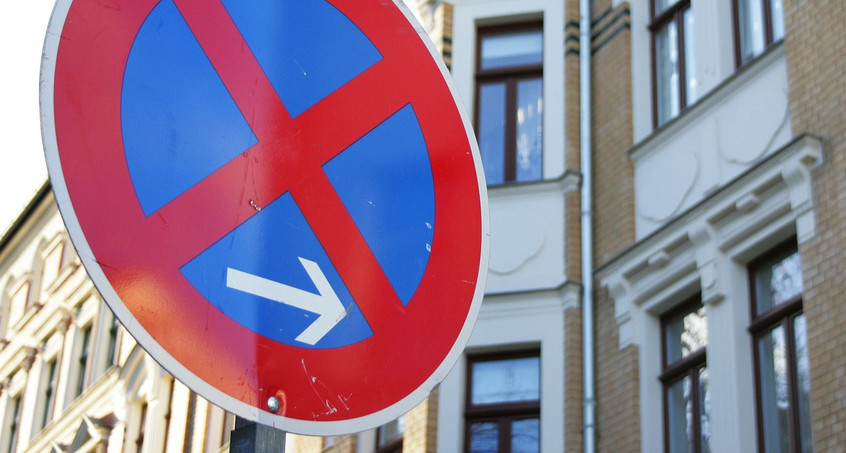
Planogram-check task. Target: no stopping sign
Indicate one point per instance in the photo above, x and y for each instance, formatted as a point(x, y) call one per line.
point(277, 198)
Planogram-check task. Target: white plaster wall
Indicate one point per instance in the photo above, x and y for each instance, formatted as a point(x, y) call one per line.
point(510, 322)
point(527, 238)
point(712, 143)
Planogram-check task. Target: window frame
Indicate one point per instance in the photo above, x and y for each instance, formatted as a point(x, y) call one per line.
point(510, 76)
point(82, 360)
point(673, 14)
point(393, 445)
point(769, 40)
point(12, 421)
point(47, 393)
point(689, 367)
point(501, 413)
point(761, 324)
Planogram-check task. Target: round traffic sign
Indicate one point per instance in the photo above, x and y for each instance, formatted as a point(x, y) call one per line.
point(280, 200)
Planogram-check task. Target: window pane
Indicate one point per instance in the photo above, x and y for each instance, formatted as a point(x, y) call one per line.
point(392, 431)
point(47, 397)
point(773, 364)
point(691, 82)
point(686, 333)
point(529, 129)
point(662, 5)
point(17, 303)
point(52, 264)
point(484, 437)
point(777, 11)
point(803, 382)
point(492, 131)
point(778, 281)
point(751, 19)
point(705, 412)
point(667, 60)
point(13, 420)
point(525, 436)
point(680, 416)
point(82, 360)
point(512, 49)
point(504, 381)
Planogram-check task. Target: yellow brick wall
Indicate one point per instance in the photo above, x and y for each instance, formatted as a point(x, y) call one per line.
point(421, 433)
point(617, 385)
point(815, 46)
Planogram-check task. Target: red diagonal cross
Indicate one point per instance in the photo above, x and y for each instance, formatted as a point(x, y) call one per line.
point(288, 156)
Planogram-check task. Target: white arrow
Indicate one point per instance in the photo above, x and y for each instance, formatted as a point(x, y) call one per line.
point(326, 304)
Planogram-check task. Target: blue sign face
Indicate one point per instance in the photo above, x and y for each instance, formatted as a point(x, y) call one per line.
point(180, 124)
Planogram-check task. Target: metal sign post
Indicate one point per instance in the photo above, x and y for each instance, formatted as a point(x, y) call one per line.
point(252, 437)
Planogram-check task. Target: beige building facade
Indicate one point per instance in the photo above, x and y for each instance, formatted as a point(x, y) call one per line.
point(73, 380)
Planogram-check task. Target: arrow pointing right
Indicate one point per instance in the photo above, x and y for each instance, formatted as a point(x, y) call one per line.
point(326, 303)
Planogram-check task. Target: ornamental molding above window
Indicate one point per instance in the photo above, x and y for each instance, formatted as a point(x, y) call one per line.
point(763, 206)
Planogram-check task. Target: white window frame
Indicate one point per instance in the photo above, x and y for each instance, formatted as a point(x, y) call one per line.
point(713, 49)
point(514, 322)
point(15, 388)
point(45, 407)
point(469, 15)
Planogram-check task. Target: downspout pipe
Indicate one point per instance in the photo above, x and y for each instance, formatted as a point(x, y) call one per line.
point(588, 350)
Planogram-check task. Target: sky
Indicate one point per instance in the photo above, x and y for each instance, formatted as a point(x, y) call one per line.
point(23, 25)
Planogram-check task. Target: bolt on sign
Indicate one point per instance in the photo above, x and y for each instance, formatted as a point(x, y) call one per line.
point(281, 200)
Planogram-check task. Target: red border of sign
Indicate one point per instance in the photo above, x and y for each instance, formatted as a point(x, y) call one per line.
point(134, 260)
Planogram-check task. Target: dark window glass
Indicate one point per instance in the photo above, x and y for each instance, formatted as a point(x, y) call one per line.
point(674, 73)
point(685, 379)
point(492, 131)
point(47, 397)
point(505, 381)
point(13, 422)
point(781, 353)
point(529, 129)
point(484, 437)
point(503, 403)
point(758, 24)
point(389, 436)
point(509, 103)
point(510, 49)
point(82, 361)
point(111, 351)
point(525, 436)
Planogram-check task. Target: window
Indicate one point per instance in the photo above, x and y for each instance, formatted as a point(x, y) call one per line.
point(674, 82)
point(781, 353)
point(18, 303)
point(685, 380)
point(47, 395)
point(12, 423)
point(188, 440)
point(108, 334)
point(389, 436)
point(509, 102)
point(142, 427)
point(503, 404)
point(81, 365)
point(52, 264)
point(757, 25)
